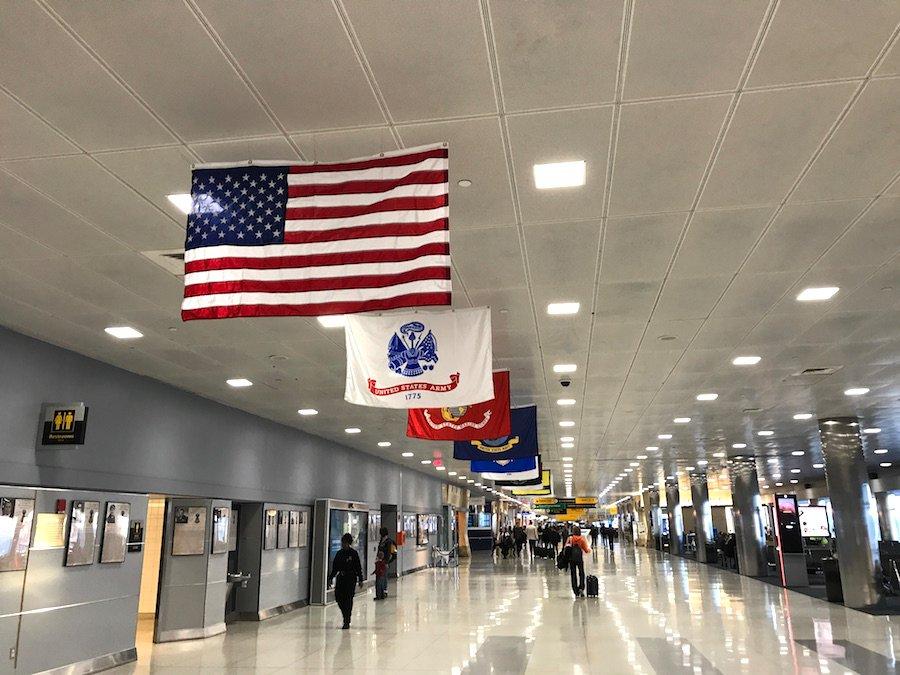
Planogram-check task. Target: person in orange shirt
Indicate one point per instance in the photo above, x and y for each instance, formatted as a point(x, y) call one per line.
point(578, 547)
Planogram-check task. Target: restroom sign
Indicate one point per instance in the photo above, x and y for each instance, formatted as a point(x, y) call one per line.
point(63, 424)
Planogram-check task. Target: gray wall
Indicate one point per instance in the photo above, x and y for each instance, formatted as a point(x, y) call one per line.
point(183, 444)
point(71, 614)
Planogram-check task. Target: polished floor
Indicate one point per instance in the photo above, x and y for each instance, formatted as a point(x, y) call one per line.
point(654, 614)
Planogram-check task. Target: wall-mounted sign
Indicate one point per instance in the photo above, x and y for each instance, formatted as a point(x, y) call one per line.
point(115, 532)
point(15, 532)
point(220, 526)
point(270, 532)
point(294, 533)
point(136, 536)
point(63, 424)
point(189, 530)
point(283, 529)
point(82, 533)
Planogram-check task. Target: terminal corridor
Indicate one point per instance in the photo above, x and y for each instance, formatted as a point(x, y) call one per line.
point(654, 614)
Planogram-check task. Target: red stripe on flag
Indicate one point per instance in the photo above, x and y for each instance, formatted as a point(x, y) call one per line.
point(411, 300)
point(366, 232)
point(318, 259)
point(374, 163)
point(368, 186)
point(395, 204)
point(324, 284)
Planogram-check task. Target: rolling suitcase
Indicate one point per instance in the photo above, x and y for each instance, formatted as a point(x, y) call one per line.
point(593, 586)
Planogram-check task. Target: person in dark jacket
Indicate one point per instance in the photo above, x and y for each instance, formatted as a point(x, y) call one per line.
point(388, 549)
point(348, 571)
point(519, 537)
point(577, 548)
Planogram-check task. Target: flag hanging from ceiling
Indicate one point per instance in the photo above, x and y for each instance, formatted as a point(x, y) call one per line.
point(503, 465)
point(520, 442)
point(419, 359)
point(545, 488)
point(311, 239)
point(486, 419)
point(530, 476)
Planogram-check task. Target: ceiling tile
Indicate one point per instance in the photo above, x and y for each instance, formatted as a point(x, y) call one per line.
point(16, 246)
point(873, 240)
point(559, 137)
point(662, 151)
point(670, 46)
point(488, 259)
point(138, 274)
point(772, 136)
point(53, 75)
point(690, 298)
point(810, 40)
point(555, 54)
point(24, 135)
point(271, 148)
point(302, 88)
point(563, 256)
point(476, 154)
point(864, 153)
point(430, 60)
point(639, 248)
point(175, 67)
point(345, 144)
point(626, 301)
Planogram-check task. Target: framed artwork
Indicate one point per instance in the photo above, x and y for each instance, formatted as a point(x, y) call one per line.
point(303, 528)
point(115, 532)
point(16, 516)
point(283, 529)
point(294, 529)
point(270, 531)
point(233, 530)
point(189, 533)
point(220, 528)
point(82, 533)
point(136, 536)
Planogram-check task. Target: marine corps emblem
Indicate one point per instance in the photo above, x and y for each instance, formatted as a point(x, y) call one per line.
point(410, 353)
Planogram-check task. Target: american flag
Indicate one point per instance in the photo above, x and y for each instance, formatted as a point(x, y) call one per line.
point(310, 239)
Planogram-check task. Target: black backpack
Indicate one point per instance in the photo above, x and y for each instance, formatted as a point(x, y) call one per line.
point(562, 560)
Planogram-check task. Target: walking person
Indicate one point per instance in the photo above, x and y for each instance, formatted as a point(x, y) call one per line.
point(532, 534)
point(347, 569)
point(594, 532)
point(577, 548)
point(519, 538)
point(388, 548)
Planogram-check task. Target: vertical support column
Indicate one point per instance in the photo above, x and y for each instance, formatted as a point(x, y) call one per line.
point(702, 513)
point(748, 527)
point(676, 524)
point(654, 519)
point(852, 504)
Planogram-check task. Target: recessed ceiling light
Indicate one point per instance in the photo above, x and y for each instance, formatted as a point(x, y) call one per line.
point(794, 481)
point(441, 468)
point(239, 382)
point(856, 391)
point(567, 459)
point(718, 455)
point(664, 437)
point(872, 430)
point(558, 308)
point(565, 368)
point(352, 430)
point(765, 487)
point(778, 484)
point(333, 321)
point(425, 461)
point(463, 477)
point(182, 202)
point(802, 416)
point(629, 470)
point(821, 293)
point(470, 481)
point(567, 423)
point(707, 397)
point(464, 182)
point(881, 451)
point(641, 457)
point(308, 411)
point(689, 468)
point(384, 444)
point(795, 470)
point(818, 466)
point(407, 454)
point(565, 401)
point(124, 332)
point(566, 439)
point(477, 484)
point(559, 175)
point(451, 473)
point(765, 432)
point(702, 462)
point(738, 446)
point(567, 446)
point(776, 476)
point(567, 466)
point(746, 360)
point(885, 464)
point(652, 448)
point(681, 420)
point(633, 464)
point(798, 453)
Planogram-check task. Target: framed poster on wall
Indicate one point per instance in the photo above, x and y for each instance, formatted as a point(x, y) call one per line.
point(82, 533)
point(136, 536)
point(294, 530)
point(303, 528)
point(422, 528)
point(220, 527)
point(189, 534)
point(15, 532)
point(233, 529)
point(270, 531)
point(115, 532)
point(283, 529)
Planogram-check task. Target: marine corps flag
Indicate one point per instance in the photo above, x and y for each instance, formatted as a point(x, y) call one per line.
point(489, 419)
point(419, 359)
point(520, 442)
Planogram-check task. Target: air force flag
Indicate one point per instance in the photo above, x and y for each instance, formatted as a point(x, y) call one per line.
point(521, 442)
point(517, 478)
point(504, 465)
point(420, 359)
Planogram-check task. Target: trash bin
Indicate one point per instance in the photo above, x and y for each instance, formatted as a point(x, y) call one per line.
point(833, 590)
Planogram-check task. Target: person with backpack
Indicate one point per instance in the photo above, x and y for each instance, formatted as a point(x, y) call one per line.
point(388, 549)
point(348, 570)
point(577, 547)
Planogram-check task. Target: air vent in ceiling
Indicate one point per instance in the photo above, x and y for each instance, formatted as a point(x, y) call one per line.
point(172, 261)
point(817, 371)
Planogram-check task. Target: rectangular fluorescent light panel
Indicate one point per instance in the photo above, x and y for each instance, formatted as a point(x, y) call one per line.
point(182, 202)
point(124, 332)
point(817, 294)
point(563, 308)
point(559, 175)
point(565, 368)
point(239, 382)
point(333, 321)
point(746, 360)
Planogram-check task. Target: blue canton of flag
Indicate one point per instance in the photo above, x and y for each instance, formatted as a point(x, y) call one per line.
point(237, 206)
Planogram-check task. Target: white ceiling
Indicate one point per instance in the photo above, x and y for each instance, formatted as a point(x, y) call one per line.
point(736, 153)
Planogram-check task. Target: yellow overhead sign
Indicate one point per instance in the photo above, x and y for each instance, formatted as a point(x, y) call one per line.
point(544, 501)
point(586, 501)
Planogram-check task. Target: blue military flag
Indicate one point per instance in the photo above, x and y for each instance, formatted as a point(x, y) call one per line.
point(521, 441)
point(505, 465)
